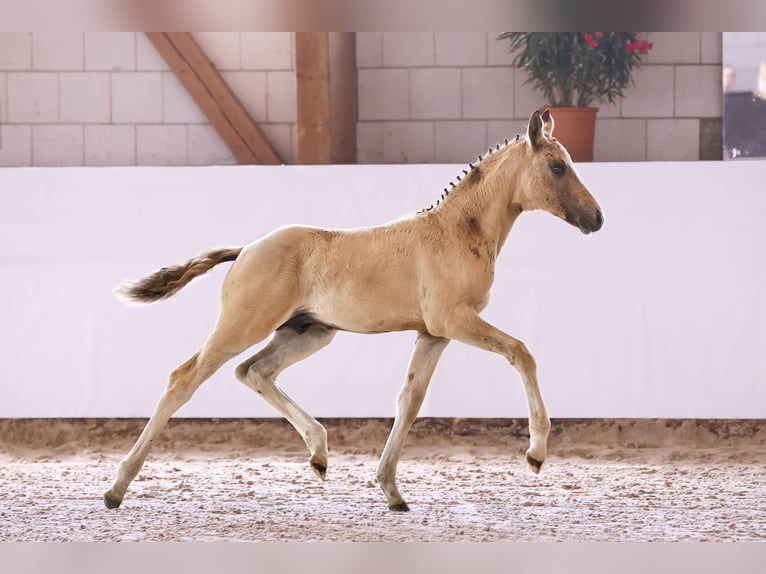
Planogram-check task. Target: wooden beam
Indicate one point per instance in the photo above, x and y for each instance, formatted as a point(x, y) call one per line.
point(312, 73)
point(214, 97)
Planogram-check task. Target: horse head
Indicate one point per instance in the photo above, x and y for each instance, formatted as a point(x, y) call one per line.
point(550, 182)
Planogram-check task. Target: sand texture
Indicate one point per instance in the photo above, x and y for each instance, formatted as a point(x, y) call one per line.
point(465, 480)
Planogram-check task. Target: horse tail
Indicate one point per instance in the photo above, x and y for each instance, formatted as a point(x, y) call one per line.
point(170, 280)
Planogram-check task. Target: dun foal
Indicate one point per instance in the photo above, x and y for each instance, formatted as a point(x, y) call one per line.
point(430, 272)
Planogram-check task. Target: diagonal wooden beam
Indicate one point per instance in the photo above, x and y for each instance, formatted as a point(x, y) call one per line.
point(214, 97)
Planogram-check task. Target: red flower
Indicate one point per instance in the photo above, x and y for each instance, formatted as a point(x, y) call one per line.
point(593, 44)
point(645, 46)
point(632, 47)
point(588, 37)
point(599, 34)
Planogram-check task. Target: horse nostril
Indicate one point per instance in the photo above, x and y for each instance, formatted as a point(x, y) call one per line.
point(599, 220)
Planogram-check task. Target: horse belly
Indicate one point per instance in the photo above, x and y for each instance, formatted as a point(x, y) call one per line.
point(367, 309)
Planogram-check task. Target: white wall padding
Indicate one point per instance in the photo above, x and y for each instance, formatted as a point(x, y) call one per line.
point(660, 314)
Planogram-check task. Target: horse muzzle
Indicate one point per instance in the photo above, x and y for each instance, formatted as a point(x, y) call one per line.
point(587, 223)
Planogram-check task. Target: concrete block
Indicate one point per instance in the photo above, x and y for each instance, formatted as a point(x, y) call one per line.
point(461, 48)
point(369, 142)
point(435, 93)
point(674, 48)
point(33, 97)
point(711, 49)
point(460, 141)
point(383, 94)
point(57, 51)
point(500, 130)
point(698, 91)
point(57, 145)
point(3, 98)
point(620, 140)
point(15, 145)
point(15, 51)
point(497, 50)
point(110, 145)
point(137, 97)
point(406, 49)
point(652, 94)
point(161, 145)
point(85, 97)
point(281, 97)
point(369, 49)
point(408, 142)
point(267, 50)
point(610, 110)
point(207, 148)
point(110, 51)
point(526, 98)
point(673, 140)
point(487, 93)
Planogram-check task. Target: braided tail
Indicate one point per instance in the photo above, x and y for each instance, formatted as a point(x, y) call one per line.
point(170, 280)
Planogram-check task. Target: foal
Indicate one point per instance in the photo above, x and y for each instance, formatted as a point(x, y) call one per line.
point(430, 272)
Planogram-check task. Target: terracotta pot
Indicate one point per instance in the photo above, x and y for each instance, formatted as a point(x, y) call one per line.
point(575, 128)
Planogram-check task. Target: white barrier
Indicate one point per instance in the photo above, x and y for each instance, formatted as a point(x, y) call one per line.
point(660, 314)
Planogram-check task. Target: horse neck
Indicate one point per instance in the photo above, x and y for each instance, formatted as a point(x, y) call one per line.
point(484, 200)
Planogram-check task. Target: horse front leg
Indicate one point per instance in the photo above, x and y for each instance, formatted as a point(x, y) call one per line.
point(428, 350)
point(468, 327)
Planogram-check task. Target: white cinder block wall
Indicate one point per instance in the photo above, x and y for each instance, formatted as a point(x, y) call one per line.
point(109, 98)
point(443, 97)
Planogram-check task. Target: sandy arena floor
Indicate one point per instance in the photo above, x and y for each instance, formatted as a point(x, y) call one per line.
point(464, 480)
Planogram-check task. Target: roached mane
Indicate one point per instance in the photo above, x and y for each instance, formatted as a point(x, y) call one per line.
point(467, 172)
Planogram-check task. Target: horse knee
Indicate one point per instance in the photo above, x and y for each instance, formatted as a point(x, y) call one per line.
point(520, 357)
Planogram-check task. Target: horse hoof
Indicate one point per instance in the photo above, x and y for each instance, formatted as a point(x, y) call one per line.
point(319, 468)
point(534, 464)
point(401, 507)
point(111, 501)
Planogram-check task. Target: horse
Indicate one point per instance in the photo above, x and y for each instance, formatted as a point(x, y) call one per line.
point(428, 272)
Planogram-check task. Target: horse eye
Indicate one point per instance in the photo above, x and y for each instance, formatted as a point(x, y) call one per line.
point(558, 168)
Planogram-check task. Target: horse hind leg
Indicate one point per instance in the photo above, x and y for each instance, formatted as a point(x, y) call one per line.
point(290, 344)
point(184, 381)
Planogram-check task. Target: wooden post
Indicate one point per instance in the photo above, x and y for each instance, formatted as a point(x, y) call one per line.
point(343, 97)
point(312, 73)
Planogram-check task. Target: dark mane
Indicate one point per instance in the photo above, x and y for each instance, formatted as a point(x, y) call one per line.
point(471, 176)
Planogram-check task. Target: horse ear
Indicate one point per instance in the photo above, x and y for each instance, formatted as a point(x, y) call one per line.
point(548, 123)
point(535, 129)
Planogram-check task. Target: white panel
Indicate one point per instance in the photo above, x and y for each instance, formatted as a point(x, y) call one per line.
point(660, 314)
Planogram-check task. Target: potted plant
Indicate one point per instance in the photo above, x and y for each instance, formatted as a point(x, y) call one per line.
point(575, 70)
